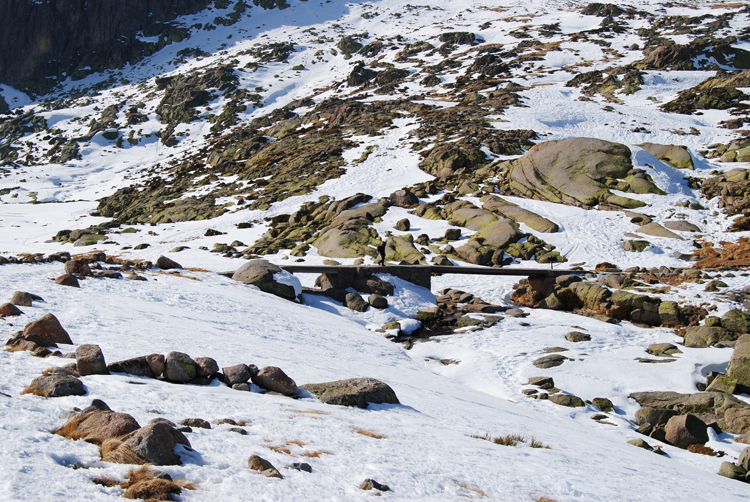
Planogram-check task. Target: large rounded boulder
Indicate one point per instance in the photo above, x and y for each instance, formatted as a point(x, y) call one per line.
point(269, 278)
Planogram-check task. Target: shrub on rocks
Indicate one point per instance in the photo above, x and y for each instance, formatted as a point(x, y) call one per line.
point(90, 360)
point(353, 392)
point(274, 379)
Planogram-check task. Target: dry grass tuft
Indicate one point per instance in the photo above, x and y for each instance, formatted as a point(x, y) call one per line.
point(310, 412)
point(367, 433)
point(316, 453)
point(143, 483)
point(510, 440)
point(296, 442)
point(705, 450)
point(117, 452)
point(71, 430)
point(280, 449)
point(545, 499)
point(472, 489)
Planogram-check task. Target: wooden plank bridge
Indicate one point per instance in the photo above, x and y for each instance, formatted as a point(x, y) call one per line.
point(421, 274)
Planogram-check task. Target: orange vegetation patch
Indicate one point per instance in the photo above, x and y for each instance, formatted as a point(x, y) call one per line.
point(367, 433)
point(280, 449)
point(316, 453)
point(705, 450)
point(176, 274)
point(143, 483)
point(730, 254)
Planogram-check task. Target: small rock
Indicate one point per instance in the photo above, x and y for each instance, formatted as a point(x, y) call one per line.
point(206, 366)
point(49, 329)
point(241, 386)
point(263, 466)
point(378, 302)
point(90, 360)
point(353, 392)
point(452, 234)
point(236, 374)
point(238, 430)
point(355, 302)
point(23, 299)
point(274, 379)
point(369, 484)
point(603, 404)
point(79, 267)
point(165, 263)
point(55, 385)
point(577, 336)
point(567, 400)
point(179, 367)
point(542, 382)
point(300, 466)
point(9, 310)
point(663, 349)
point(731, 471)
point(403, 225)
point(549, 361)
point(640, 443)
point(684, 430)
point(196, 422)
point(67, 280)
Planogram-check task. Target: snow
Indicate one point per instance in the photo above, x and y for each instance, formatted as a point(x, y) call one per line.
point(428, 452)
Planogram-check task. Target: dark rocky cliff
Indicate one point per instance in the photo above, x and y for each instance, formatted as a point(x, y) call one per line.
point(43, 39)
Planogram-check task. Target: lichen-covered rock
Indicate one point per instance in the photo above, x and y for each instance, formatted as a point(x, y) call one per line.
point(736, 321)
point(519, 214)
point(401, 249)
point(655, 230)
point(739, 363)
point(353, 238)
point(403, 198)
point(353, 392)
point(567, 400)
point(676, 156)
point(180, 367)
point(570, 172)
point(706, 336)
point(670, 315)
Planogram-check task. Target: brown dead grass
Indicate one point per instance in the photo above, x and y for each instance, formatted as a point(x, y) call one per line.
point(279, 449)
point(71, 430)
point(472, 489)
point(316, 453)
point(117, 452)
point(296, 442)
point(730, 254)
point(545, 499)
point(143, 484)
point(367, 433)
point(309, 412)
point(175, 274)
point(705, 450)
point(735, 5)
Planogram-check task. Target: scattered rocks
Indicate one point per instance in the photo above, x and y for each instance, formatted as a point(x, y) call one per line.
point(731, 414)
point(263, 466)
point(353, 392)
point(274, 379)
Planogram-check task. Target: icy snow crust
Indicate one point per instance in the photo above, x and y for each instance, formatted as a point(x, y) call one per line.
point(427, 453)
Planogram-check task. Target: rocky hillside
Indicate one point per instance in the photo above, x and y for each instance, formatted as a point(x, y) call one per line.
point(162, 162)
